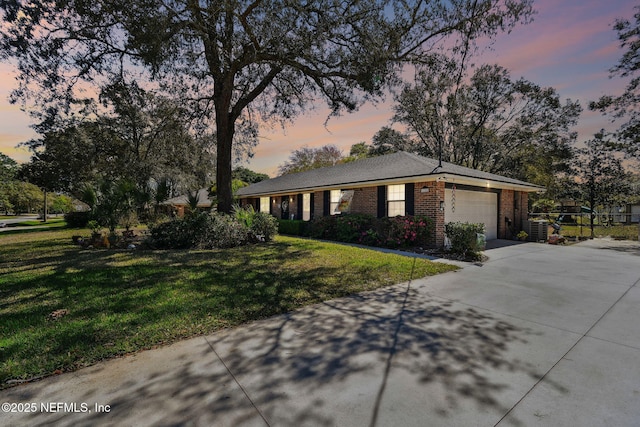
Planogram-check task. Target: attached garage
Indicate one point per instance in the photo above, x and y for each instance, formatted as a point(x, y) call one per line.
point(474, 207)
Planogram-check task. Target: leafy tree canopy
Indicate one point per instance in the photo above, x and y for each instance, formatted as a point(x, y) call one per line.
point(388, 140)
point(248, 176)
point(8, 171)
point(8, 168)
point(625, 108)
point(234, 61)
point(143, 139)
point(306, 158)
point(488, 121)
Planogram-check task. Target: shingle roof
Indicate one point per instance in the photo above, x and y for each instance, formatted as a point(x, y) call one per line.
point(370, 170)
point(203, 199)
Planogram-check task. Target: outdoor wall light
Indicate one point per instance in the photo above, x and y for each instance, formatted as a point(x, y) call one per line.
point(442, 206)
point(424, 189)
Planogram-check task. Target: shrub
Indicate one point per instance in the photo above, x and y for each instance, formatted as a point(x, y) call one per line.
point(94, 226)
point(402, 231)
point(463, 237)
point(292, 227)
point(264, 227)
point(351, 228)
point(207, 231)
point(244, 215)
point(409, 231)
point(175, 234)
point(323, 227)
point(261, 227)
point(221, 231)
point(77, 219)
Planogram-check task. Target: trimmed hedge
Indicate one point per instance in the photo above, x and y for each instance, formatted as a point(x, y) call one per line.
point(396, 232)
point(463, 237)
point(292, 227)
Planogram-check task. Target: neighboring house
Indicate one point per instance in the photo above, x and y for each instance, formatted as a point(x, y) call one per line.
point(180, 203)
point(627, 214)
point(398, 184)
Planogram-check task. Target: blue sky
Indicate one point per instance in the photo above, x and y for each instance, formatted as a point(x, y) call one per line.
point(570, 46)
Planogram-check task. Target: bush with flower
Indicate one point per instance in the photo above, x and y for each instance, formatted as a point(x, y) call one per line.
point(396, 232)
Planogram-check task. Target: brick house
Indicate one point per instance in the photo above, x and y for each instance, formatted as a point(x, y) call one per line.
point(398, 184)
point(180, 204)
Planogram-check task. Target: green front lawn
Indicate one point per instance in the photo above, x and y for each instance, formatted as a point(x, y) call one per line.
point(118, 302)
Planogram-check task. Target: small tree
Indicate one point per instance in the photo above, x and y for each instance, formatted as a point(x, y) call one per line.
point(601, 178)
point(115, 200)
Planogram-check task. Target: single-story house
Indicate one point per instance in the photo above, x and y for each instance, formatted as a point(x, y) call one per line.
point(398, 184)
point(180, 203)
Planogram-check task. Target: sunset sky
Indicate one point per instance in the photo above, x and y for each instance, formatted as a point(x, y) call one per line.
point(570, 46)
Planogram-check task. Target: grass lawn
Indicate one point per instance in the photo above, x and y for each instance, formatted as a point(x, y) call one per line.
point(119, 302)
point(35, 225)
point(51, 222)
point(625, 232)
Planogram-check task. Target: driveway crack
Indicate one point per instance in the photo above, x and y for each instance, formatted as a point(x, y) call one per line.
point(244, 391)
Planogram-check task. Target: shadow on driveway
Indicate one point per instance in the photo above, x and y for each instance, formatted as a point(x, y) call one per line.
point(349, 361)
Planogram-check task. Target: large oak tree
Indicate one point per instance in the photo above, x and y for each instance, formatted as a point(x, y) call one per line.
point(242, 61)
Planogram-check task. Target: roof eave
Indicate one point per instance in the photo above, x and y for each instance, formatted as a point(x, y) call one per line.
point(448, 177)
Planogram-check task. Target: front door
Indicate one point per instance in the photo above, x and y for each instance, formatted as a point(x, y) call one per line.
point(284, 208)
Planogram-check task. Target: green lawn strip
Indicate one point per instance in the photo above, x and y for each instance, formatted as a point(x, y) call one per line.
point(33, 227)
point(626, 232)
point(52, 222)
point(123, 301)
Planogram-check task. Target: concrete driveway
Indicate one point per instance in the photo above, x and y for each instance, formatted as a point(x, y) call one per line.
point(539, 335)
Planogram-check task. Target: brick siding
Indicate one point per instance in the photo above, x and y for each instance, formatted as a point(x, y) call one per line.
point(365, 201)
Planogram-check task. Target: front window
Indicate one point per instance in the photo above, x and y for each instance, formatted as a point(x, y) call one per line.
point(264, 205)
point(306, 206)
point(334, 202)
point(395, 200)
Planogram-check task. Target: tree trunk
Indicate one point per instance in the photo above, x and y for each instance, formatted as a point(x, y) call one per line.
point(592, 201)
point(45, 211)
point(224, 144)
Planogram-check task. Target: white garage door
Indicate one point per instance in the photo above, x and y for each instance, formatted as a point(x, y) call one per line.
point(474, 207)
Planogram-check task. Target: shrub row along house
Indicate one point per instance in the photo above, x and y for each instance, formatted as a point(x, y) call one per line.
point(398, 184)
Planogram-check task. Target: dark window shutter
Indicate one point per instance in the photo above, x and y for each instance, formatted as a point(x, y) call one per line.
point(299, 210)
point(409, 200)
point(382, 201)
point(325, 203)
point(313, 205)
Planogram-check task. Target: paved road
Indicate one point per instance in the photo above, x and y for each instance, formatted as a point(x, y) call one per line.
point(19, 219)
point(539, 335)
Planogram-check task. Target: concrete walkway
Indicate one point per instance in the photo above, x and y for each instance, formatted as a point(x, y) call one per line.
point(539, 335)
